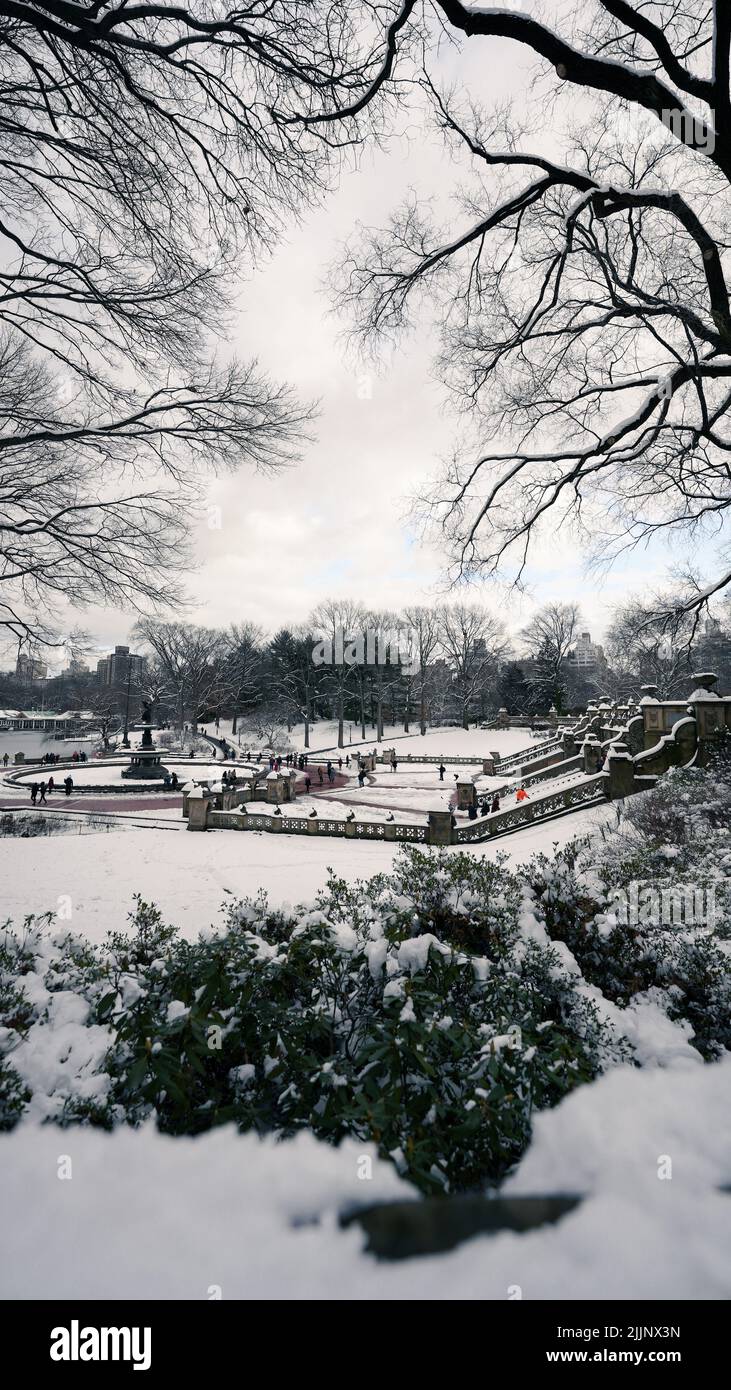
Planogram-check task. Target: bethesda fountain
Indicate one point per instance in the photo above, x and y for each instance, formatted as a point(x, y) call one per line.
point(145, 760)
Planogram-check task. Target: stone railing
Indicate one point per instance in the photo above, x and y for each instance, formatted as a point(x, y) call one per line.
point(303, 825)
point(516, 761)
point(451, 758)
point(593, 790)
point(554, 770)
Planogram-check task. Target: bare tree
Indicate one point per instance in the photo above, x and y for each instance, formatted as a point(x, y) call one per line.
point(646, 650)
point(474, 644)
point(193, 659)
point(338, 621)
point(585, 291)
point(424, 627)
point(548, 638)
point(146, 148)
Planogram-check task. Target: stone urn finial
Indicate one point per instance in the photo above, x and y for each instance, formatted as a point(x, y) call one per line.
point(705, 680)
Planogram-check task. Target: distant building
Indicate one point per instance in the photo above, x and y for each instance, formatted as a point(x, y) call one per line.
point(70, 722)
point(120, 665)
point(76, 667)
point(28, 668)
point(586, 655)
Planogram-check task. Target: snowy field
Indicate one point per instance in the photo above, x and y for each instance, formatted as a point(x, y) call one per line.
point(477, 743)
point(461, 743)
point(189, 875)
point(260, 1219)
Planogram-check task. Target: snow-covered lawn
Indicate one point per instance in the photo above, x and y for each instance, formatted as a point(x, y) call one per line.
point(461, 743)
point(141, 1215)
point(188, 875)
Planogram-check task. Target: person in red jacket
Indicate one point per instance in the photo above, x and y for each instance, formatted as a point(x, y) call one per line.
point(521, 794)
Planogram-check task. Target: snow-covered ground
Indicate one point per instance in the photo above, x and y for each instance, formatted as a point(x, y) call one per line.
point(189, 875)
point(460, 743)
point(477, 743)
point(141, 1215)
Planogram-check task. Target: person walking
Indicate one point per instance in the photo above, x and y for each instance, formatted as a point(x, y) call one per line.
point(521, 794)
point(320, 777)
point(51, 784)
point(394, 764)
point(6, 759)
point(42, 790)
point(33, 793)
point(361, 776)
point(308, 784)
point(442, 770)
point(68, 784)
point(495, 804)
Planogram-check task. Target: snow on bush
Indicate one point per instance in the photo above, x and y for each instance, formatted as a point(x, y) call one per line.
point(431, 1012)
point(410, 1012)
point(677, 838)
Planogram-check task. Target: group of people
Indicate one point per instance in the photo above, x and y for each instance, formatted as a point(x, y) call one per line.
point(329, 772)
point(39, 790)
point(488, 808)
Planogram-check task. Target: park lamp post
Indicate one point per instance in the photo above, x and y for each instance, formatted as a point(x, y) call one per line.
point(125, 735)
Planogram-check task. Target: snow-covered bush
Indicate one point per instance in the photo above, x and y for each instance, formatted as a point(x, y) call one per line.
point(675, 840)
point(431, 1011)
point(357, 1017)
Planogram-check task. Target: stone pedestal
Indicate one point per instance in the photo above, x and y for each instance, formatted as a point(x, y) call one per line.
point(503, 719)
point(466, 795)
point(18, 758)
point(621, 768)
point(488, 767)
point(440, 827)
point(274, 789)
point(592, 754)
point(197, 809)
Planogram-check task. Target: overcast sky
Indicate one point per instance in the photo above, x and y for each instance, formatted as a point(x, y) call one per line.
point(337, 524)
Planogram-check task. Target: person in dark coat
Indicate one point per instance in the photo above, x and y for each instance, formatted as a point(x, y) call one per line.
point(68, 784)
point(495, 803)
point(33, 793)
